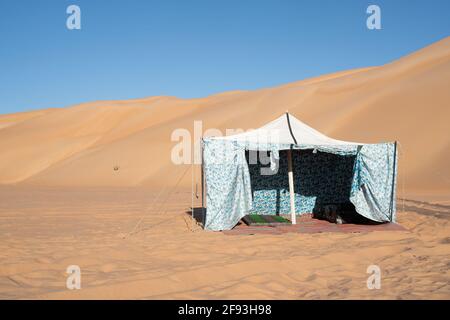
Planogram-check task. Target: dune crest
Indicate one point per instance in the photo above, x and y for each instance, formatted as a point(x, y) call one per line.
point(406, 100)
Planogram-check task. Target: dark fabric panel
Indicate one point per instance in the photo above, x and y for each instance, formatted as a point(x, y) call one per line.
point(319, 179)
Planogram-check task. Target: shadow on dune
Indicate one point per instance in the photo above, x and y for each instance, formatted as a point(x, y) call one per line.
point(425, 208)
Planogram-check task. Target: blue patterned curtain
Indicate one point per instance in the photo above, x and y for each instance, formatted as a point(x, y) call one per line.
point(374, 182)
point(228, 186)
point(320, 178)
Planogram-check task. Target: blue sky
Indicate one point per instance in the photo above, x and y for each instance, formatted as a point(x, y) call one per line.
point(193, 48)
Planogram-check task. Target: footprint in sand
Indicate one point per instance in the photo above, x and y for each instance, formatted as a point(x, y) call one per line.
point(311, 277)
point(44, 260)
point(109, 267)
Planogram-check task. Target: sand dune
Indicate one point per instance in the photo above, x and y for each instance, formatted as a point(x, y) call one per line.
point(62, 202)
point(406, 100)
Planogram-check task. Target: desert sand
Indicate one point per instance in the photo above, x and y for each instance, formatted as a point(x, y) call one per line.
point(62, 202)
point(168, 257)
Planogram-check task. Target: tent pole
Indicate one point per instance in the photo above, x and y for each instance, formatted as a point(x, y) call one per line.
point(291, 187)
point(203, 184)
point(394, 173)
point(192, 188)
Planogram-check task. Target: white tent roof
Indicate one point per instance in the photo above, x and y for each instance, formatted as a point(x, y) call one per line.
point(287, 129)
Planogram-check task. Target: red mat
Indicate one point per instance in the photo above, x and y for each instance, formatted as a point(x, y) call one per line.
point(306, 224)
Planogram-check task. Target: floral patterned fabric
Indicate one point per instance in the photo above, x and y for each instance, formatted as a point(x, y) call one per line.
point(319, 179)
point(228, 193)
point(374, 182)
point(364, 175)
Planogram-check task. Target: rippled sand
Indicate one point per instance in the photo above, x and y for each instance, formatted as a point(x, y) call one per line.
point(44, 230)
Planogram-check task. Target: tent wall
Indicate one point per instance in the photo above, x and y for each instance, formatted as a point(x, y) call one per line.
point(374, 182)
point(228, 191)
point(319, 179)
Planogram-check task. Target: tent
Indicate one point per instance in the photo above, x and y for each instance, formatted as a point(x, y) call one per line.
point(287, 167)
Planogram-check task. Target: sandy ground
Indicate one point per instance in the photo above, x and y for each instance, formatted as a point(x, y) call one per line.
point(44, 230)
point(75, 181)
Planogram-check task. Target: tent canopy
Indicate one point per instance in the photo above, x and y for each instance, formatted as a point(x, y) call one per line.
point(229, 182)
point(287, 130)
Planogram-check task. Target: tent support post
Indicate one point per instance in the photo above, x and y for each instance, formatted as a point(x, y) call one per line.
point(203, 185)
point(192, 190)
point(394, 173)
point(291, 187)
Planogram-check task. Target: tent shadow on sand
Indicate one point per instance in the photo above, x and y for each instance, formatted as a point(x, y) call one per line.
point(198, 215)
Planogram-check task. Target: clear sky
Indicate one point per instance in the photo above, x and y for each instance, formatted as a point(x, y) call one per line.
point(193, 48)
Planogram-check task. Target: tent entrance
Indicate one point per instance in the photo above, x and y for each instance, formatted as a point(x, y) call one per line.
point(322, 183)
